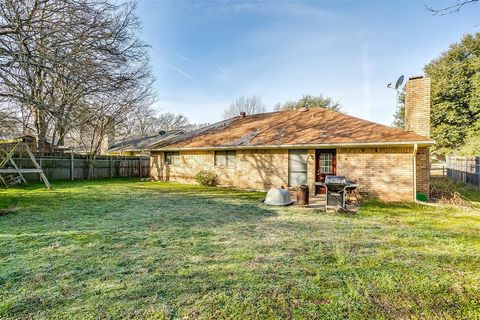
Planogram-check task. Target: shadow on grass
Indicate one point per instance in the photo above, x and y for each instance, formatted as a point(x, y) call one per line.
point(104, 233)
point(123, 249)
point(116, 205)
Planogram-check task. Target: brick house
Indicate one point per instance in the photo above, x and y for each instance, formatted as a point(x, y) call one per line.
point(295, 147)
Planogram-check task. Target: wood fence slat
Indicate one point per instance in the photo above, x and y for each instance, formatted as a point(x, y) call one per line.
point(74, 167)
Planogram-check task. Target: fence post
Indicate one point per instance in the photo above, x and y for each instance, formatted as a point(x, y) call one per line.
point(477, 169)
point(140, 167)
point(110, 167)
point(72, 167)
point(86, 169)
point(129, 168)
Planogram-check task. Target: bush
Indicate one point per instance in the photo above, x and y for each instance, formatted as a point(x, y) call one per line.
point(445, 191)
point(206, 178)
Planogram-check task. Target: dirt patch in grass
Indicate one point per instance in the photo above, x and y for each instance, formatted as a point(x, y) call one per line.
point(9, 210)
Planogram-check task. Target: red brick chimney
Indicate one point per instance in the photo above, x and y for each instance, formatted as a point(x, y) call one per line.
point(417, 105)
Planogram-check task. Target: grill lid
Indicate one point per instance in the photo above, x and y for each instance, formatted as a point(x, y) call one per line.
point(338, 180)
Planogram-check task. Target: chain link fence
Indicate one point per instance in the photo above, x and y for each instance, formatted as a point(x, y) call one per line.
point(464, 169)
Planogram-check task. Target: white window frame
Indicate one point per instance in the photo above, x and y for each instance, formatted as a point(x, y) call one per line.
point(227, 154)
point(174, 157)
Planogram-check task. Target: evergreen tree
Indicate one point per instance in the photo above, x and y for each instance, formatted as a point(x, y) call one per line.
point(455, 79)
point(309, 101)
point(399, 116)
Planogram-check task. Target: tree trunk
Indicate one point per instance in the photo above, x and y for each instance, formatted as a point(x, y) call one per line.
point(61, 136)
point(41, 128)
point(61, 141)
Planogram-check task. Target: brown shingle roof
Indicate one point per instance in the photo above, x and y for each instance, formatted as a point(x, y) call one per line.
point(137, 143)
point(316, 126)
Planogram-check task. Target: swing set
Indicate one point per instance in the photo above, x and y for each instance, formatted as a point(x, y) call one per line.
point(10, 173)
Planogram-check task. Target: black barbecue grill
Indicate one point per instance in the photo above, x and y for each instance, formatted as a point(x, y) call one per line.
point(337, 188)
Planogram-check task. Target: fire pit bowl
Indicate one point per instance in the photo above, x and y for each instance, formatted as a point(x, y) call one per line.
point(278, 197)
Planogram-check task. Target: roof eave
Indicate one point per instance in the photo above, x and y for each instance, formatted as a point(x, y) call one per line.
point(422, 143)
point(128, 150)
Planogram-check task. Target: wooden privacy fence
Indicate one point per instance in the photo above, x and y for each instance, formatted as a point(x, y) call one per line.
point(73, 167)
point(464, 169)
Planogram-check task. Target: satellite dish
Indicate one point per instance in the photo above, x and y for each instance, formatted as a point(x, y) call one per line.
point(399, 82)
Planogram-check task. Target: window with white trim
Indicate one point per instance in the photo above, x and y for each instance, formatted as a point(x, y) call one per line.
point(227, 158)
point(172, 157)
point(326, 163)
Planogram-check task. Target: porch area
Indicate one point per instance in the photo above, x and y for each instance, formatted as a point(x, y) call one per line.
point(319, 202)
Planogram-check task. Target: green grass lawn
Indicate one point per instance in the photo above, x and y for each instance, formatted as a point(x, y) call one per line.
point(130, 249)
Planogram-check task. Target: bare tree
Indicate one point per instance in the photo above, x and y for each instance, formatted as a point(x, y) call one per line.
point(249, 105)
point(143, 122)
point(172, 121)
point(309, 101)
point(71, 62)
point(195, 126)
point(106, 115)
point(146, 122)
point(456, 7)
point(24, 60)
point(8, 122)
point(117, 85)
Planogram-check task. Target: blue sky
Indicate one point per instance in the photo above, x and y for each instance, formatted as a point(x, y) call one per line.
point(205, 54)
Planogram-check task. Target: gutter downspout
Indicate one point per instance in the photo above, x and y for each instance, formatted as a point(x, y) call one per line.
point(415, 150)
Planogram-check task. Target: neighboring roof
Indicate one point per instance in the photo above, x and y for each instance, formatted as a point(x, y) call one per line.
point(22, 138)
point(314, 127)
point(137, 143)
point(25, 136)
